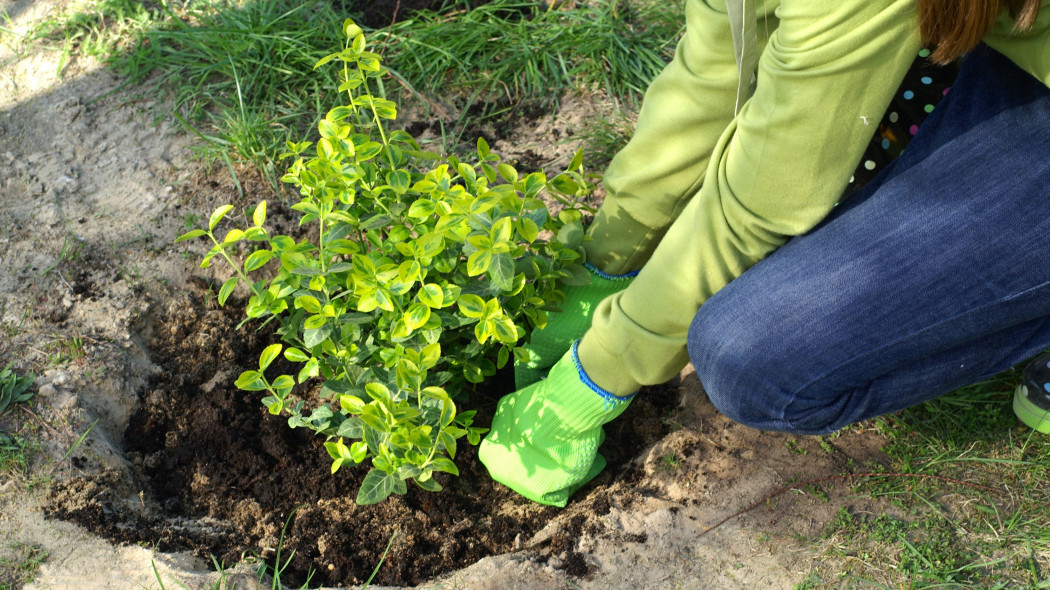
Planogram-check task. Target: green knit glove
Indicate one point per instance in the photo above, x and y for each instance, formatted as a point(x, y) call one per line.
point(548, 345)
point(544, 439)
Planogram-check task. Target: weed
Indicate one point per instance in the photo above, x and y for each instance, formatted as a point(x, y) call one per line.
point(64, 351)
point(825, 445)
point(19, 564)
point(14, 389)
point(793, 446)
point(671, 461)
point(70, 253)
point(190, 221)
point(604, 136)
point(16, 455)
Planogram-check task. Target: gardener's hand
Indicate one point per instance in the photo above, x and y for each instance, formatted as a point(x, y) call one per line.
point(544, 439)
point(551, 343)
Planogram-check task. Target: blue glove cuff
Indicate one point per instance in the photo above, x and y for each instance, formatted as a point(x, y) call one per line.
point(607, 276)
point(611, 399)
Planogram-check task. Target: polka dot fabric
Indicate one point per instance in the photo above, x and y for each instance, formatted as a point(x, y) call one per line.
point(923, 87)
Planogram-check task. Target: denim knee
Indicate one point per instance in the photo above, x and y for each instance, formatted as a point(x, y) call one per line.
point(742, 361)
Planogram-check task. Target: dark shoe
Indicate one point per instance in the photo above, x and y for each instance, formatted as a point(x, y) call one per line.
point(1032, 398)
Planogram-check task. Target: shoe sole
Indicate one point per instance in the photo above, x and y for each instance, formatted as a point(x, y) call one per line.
point(1029, 413)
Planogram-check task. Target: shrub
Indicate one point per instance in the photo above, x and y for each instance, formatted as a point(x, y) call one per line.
point(422, 276)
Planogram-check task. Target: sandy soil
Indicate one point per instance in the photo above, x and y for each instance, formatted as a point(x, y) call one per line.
point(92, 194)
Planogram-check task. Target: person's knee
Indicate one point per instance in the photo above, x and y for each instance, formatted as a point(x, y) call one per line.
point(727, 355)
point(745, 369)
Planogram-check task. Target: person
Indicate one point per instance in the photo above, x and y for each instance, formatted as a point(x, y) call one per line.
point(722, 239)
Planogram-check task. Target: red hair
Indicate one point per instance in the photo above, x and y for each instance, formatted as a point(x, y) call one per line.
point(953, 27)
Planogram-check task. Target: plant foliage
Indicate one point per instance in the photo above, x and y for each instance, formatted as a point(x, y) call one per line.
point(421, 278)
point(14, 389)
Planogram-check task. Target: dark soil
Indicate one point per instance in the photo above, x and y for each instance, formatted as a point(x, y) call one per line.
point(215, 474)
point(376, 14)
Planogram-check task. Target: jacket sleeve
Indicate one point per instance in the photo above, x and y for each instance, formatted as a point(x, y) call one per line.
point(685, 111)
point(825, 78)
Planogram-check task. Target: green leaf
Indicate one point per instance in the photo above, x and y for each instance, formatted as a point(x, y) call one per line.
point(217, 216)
point(250, 381)
point(502, 230)
point(284, 382)
point(314, 322)
point(444, 464)
point(351, 404)
point(314, 337)
point(478, 262)
point(295, 355)
point(196, 233)
point(571, 234)
point(409, 271)
point(504, 330)
point(257, 260)
point(358, 451)
point(311, 369)
point(483, 331)
point(399, 181)
point(325, 60)
point(577, 275)
point(429, 484)
point(259, 215)
point(528, 229)
point(416, 316)
point(508, 173)
point(474, 434)
point(377, 391)
point(422, 208)
point(471, 305)
point(501, 271)
point(368, 150)
point(309, 303)
point(226, 289)
point(449, 442)
point(234, 235)
point(431, 295)
point(268, 355)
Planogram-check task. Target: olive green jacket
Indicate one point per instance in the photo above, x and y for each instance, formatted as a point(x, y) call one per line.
point(717, 177)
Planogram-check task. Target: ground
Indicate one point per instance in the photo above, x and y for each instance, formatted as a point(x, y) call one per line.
point(177, 465)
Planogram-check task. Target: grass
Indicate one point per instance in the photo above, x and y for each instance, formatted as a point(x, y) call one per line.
point(939, 534)
point(19, 564)
point(524, 52)
point(240, 73)
point(101, 30)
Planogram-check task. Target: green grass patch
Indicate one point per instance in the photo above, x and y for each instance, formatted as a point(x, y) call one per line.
point(19, 563)
point(523, 51)
point(99, 29)
point(943, 532)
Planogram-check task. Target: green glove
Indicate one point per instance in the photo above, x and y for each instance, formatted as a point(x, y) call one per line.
point(544, 439)
point(548, 345)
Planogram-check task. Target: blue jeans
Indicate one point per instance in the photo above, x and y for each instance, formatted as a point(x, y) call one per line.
point(934, 276)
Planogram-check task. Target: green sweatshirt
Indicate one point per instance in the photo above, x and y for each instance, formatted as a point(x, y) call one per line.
point(708, 186)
